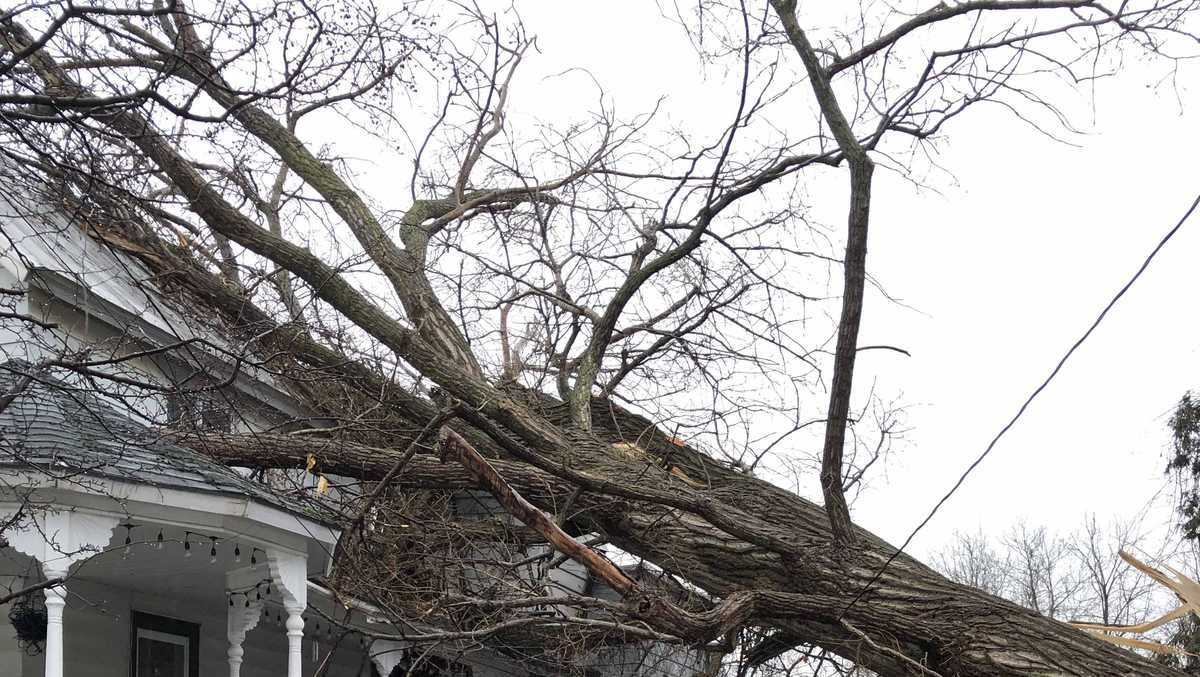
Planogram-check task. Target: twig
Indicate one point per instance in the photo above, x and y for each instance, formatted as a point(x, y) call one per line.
point(48, 583)
point(891, 652)
point(390, 475)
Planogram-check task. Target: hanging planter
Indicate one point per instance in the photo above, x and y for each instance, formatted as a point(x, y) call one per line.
point(28, 618)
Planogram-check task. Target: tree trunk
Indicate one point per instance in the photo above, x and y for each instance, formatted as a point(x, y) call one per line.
point(913, 620)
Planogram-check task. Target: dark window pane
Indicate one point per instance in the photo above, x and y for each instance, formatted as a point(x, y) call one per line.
point(156, 658)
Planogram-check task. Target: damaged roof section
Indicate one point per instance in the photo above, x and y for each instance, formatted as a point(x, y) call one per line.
point(62, 428)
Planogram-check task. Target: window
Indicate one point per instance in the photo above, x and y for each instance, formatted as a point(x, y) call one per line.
point(164, 647)
point(205, 411)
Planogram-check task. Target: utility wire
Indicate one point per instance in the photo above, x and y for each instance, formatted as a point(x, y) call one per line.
point(1057, 368)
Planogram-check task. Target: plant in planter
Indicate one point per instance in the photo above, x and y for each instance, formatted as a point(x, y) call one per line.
point(28, 618)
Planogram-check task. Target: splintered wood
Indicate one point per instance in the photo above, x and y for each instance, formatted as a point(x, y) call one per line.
point(1188, 592)
point(453, 445)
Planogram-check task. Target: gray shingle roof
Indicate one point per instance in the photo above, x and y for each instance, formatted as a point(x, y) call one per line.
point(56, 427)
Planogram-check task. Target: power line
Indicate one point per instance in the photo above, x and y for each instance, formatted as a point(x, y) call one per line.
point(1057, 368)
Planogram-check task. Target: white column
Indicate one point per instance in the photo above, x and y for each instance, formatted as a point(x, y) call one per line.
point(295, 635)
point(244, 613)
point(235, 653)
point(59, 539)
point(56, 601)
point(290, 571)
point(386, 655)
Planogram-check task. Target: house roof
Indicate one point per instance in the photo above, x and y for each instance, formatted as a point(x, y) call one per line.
point(54, 426)
point(50, 247)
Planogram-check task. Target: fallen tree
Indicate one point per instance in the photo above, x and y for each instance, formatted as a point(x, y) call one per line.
point(686, 279)
point(913, 620)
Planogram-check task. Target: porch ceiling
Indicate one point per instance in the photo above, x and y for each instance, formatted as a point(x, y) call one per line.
point(163, 569)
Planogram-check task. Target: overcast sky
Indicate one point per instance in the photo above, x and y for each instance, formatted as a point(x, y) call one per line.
point(1000, 268)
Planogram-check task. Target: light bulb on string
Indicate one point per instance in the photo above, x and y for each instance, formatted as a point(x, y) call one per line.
point(187, 546)
point(158, 543)
point(237, 553)
point(212, 553)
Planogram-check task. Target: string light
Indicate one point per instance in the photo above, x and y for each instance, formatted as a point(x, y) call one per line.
point(128, 541)
point(160, 539)
point(187, 546)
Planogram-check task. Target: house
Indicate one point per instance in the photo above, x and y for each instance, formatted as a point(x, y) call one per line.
point(176, 565)
point(151, 534)
point(170, 564)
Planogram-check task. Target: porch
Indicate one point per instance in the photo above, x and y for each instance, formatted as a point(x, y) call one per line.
point(183, 585)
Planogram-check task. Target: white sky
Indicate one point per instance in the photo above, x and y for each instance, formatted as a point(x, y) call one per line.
point(1004, 268)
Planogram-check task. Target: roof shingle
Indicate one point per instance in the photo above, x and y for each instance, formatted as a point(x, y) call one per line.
point(60, 428)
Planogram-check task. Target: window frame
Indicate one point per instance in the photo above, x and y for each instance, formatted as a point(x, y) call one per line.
point(164, 626)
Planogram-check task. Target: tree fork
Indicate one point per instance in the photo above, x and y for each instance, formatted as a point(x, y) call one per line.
point(861, 168)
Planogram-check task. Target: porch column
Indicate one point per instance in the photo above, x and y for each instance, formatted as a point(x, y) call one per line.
point(295, 635)
point(58, 540)
point(235, 653)
point(289, 569)
point(56, 601)
point(244, 613)
point(386, 655)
